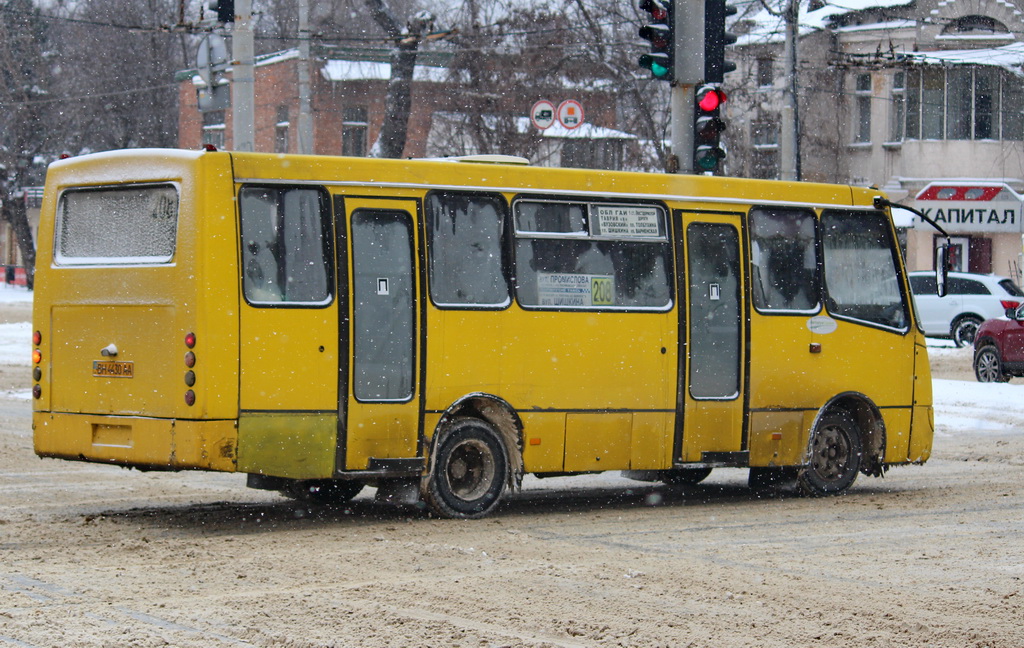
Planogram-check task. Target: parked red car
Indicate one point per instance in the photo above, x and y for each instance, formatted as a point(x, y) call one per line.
point(999, 347)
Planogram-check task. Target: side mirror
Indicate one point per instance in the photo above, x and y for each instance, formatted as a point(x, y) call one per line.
point(1011, 313)
point(941, 269)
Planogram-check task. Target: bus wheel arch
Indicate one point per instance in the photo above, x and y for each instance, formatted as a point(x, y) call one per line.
point(475, 454)
point(848, 436)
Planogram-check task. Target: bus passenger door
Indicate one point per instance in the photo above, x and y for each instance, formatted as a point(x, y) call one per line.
point(711, 386)
point(379, 400)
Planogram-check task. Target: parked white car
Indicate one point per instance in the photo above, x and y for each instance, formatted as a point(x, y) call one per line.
point(970, 299)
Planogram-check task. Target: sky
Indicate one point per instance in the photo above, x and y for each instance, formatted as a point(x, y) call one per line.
point(961, 407)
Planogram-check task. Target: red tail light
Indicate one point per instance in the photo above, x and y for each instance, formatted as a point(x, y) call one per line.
point(1009, 303)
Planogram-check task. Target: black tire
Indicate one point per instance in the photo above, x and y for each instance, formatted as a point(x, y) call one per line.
point(470, 470)
point(685, 476)
point(323, 491)
point(964, 329)
point(835, 456)
point(988, 367)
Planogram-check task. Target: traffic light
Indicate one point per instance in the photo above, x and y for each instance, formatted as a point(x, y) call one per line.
point(707, 130)
point(660, 61)
point(225, 10)
point(715, 40)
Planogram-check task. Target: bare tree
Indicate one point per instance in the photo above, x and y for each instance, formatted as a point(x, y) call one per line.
point(117, 63)
point(398, 102)
point(23, 100)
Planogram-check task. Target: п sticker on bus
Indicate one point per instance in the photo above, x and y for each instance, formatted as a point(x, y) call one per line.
point(106, 369)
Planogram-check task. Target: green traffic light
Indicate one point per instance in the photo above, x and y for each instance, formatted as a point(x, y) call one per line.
point(659, 71)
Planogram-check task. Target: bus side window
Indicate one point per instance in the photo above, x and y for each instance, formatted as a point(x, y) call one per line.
point(465, 233)
point(563, 258)
point(784, 260)
point(285, 250)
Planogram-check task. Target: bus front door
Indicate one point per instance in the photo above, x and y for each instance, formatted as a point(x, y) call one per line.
point(379, 394)
point(711, 371)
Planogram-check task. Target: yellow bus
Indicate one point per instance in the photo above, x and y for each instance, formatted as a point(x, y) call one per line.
point(324, 323)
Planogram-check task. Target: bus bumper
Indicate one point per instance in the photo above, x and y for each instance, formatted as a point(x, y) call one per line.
point(145, 443)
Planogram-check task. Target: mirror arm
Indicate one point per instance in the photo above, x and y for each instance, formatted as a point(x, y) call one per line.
point(882, 203)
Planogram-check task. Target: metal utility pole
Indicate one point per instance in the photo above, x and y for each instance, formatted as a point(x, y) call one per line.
point(305, 109)
point(689, 71)
point(243, 82)
point(789, 146)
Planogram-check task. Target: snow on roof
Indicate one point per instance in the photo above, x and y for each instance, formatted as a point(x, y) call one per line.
point(768, 28)
point(336, 70)
point(583, 131)
point(1008, 57)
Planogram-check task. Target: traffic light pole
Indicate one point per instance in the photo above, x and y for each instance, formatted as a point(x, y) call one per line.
point(243, 83)
point(689, 71)
point(682, 107)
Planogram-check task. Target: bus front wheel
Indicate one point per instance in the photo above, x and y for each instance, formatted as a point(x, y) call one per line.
point(835, 456)
point(470, 471)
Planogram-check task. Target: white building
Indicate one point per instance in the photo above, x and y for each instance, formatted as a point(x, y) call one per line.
point(922, 99)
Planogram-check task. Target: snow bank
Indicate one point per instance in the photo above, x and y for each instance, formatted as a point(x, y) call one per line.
point(14, 294)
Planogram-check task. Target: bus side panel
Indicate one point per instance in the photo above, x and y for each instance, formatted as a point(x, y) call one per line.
point(299, 446)
point(923, 423)
point(777, 438)
point(543, 441)
point(652, 441)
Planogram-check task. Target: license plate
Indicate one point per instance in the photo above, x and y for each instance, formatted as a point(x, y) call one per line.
point(105, 369)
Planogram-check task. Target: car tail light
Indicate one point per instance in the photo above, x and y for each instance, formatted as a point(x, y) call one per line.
point(1009, 303)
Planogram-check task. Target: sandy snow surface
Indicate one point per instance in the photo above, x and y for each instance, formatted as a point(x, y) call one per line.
point(98, 556)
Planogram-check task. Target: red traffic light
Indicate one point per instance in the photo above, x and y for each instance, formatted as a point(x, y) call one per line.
point(710, 98)
point(656, 8)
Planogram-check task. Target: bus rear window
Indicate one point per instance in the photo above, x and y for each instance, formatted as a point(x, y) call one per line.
point(123, 225)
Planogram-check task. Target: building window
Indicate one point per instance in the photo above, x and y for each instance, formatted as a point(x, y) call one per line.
point(862, 100)
point(898, 106)
point(964, 103)
point(281, 130)
point(213, 128)
point(765, 72)
point(354, 126)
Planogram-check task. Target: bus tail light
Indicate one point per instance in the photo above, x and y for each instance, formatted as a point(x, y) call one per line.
point(190, 362)
point(37, 371)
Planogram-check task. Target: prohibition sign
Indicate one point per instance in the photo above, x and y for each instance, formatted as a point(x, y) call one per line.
point(543, 114)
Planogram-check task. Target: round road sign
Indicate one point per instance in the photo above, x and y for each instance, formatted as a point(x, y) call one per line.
point(543, 114)
point(570, 114)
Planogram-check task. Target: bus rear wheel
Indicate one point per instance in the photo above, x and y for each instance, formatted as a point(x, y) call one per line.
point(835, 456)
point(470, 471)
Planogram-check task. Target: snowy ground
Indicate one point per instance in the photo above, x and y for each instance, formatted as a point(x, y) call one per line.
point(96, 556)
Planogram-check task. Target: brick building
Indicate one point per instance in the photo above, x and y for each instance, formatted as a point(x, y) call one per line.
point(348, 103)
